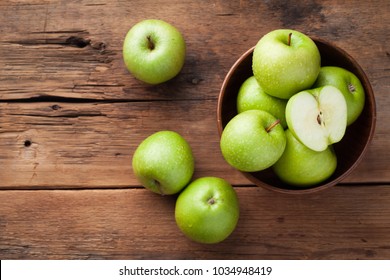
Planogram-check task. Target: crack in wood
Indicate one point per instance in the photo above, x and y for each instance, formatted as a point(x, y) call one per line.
point(61, 99)
point(63, 115)
point(72, 41)
point(72, 38)
point(75, 31)
point(78, 42)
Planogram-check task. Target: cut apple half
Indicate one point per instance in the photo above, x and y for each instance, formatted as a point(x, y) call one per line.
point(317, 117)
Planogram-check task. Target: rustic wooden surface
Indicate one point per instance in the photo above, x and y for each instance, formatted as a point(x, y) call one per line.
point(71, 117)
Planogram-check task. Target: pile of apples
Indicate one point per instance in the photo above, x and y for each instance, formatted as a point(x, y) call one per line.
point(207, 209)
point(289, 114)
point(291, 111)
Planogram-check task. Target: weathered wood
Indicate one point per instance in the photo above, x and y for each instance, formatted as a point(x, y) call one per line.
point(73, 49)
point(71, 117)
point(64, 145)
point(91, 145)
point(342, 222)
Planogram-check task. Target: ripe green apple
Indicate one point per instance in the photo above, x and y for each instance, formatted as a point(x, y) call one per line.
point(317, 117)
point(154, 51)
point(252, 97)
point(348, 84)
point(163, 162)
point(252, 141)
point(285, 62)
point(303, 167)
point(207, 210)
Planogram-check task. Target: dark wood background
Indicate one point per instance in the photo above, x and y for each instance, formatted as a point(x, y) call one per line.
point(71, 117)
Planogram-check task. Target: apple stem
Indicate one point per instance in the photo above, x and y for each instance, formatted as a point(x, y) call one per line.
point(289, 39)
point(268, 129)
point(150, 43)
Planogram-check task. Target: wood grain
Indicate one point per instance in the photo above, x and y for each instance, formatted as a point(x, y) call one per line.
point(69, 55)
point(72, 49)
point(91, 145)
point(137, 224)
point(71, 117)
point(88, 145)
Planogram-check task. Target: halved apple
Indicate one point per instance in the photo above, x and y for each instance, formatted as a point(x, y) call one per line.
point(349, 84)
point(317, 117)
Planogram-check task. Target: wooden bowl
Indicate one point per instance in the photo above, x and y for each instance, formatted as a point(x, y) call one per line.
point(349, 150)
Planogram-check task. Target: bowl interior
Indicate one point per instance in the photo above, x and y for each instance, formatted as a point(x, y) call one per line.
point(349, 150)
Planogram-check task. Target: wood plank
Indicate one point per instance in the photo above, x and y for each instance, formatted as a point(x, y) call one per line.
point(89, 145)
point(94, 69)
point(72, 49)
point(71, 117)
point(64, 51)
point(339, 223)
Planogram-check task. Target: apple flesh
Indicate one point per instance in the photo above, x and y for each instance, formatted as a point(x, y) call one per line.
point(348, 84)
point(252, 141)
point(154, 51)
point(317, 117)
point(285, 62)
point(207, 210)
point(163, 162)
point(252, 97)
point(302, 167)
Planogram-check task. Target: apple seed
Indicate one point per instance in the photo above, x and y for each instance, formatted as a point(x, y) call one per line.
point(319, 119)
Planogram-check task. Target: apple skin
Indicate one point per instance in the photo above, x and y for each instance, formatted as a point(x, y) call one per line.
point(163, 162)
point(247, 146)
point(317, 117)
point(349, 85)
point(281, 69)
point(252, 97)
point(207, 210)
point(154, 51)
point(302, 167)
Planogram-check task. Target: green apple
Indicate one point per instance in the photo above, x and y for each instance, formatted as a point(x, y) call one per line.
point(285, 62)
point(207, 210)
point(154, 51)
point(163, 162)
point(348, 84)
point(317, 117)
point(252, 97)
point(303, 167)
point(252, 141)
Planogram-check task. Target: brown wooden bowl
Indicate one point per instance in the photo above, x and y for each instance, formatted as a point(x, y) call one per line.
point(349, 150)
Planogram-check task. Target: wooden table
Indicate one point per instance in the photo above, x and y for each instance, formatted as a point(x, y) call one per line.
point(71, 117)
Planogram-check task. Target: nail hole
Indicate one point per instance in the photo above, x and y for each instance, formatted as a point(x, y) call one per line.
point(27, 143)
point(56, 107)
point(101, 46)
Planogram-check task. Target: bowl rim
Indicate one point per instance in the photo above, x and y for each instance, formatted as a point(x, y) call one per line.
point(369, 94)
